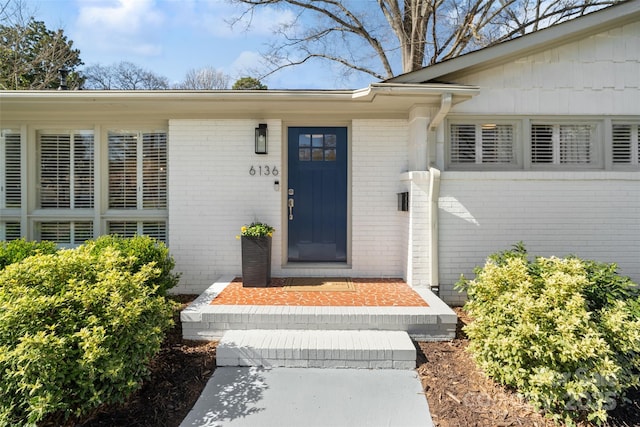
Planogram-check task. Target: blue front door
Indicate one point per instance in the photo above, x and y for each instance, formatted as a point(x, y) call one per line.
point(317, 194)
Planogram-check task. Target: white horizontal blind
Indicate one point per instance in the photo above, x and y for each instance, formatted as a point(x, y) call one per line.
point(10, 230)
point(626, 146)
point(542, 144)
point(66, 169)
point(157, 230)
point(154, 170)
point(497, 143)
point(83, 170)
point(562, 144)
point(575, 143)
point(11, 183)
point(482, 143)
point(59, 232)
point(463, 143)
point(123, 228)
point(62, 232)
point(123, 170)
point(55, 170)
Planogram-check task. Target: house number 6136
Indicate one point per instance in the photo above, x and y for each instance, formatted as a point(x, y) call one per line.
point(263, 170)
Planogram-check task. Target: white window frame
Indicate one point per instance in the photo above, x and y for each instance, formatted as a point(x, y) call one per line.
point(479, 162)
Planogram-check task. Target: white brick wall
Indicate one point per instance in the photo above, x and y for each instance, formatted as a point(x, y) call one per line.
point(594, 215)
point(597, 75)
point(212, 195)
point(379, 156)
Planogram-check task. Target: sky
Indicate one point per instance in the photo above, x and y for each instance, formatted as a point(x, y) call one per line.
point(170, 37)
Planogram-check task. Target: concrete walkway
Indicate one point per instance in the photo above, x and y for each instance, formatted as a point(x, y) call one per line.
point(283, 397)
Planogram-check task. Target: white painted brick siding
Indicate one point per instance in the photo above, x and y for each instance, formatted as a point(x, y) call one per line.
point(597, 75)
point(212, 195)
point(594, 215)
point(379, 156)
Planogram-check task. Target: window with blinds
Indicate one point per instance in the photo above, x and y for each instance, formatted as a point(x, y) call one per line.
point(154, 170)
point(137, 170)
point(10, 230)
point(625, 144)
point(123, 170)
point(482, 143)
point(10, 181)
point(66, 232)
point(155, 229)
point(570, 144)
point(66, 169)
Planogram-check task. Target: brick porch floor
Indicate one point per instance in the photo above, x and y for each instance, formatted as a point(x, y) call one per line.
point(368, 293)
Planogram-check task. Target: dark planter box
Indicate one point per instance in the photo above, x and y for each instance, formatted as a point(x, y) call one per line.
point(256, 261)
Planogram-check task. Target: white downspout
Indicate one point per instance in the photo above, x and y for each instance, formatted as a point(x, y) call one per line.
point(445, 106)
point(434, 194)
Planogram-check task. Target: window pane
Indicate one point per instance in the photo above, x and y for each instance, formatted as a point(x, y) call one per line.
point(317, 155)
point(122, 228)
point(463, 143)
point(123, 170)
point(157, 230)
point(59, 232)
point(154, 170)
point(11, 231)
point(304, 140)
point(622, 149)
point(304, 154)
point(330, 140)
point(82, 232)
point(497, 143)
point(55, 170)
point(317, 140)
point(83, 170)
point(330, 155)
point(11, 168)
point(541, 143)
point(575, 144)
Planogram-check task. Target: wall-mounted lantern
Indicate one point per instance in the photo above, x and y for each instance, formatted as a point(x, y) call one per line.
point(261, 139)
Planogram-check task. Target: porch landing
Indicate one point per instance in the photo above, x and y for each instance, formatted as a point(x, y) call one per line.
point(202, 320)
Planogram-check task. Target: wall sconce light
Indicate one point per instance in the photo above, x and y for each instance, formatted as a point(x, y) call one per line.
point(261, 139)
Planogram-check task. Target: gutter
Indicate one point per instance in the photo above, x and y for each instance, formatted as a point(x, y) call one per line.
point(434, 194)
point(445, 106)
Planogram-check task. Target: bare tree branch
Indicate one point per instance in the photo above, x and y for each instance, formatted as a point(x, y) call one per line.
point(207, 78)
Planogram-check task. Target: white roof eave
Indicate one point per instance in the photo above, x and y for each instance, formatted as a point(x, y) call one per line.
point(377, 98)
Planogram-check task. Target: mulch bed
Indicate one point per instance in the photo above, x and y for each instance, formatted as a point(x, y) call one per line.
point(457, 392)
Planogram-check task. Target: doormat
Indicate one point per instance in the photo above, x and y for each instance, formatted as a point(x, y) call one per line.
point(319, 284)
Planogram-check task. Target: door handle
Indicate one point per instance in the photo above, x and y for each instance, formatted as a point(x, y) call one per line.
point(290, 203)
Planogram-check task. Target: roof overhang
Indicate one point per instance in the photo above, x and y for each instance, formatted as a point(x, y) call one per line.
point(378, 100)
point(563, 33)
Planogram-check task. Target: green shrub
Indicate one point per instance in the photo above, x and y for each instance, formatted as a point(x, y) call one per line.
point(17, 250)
point(76, 331)
point(142, 250)
point(564, 332)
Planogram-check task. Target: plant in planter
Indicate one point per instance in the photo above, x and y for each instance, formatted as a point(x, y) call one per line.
point(256, 254)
